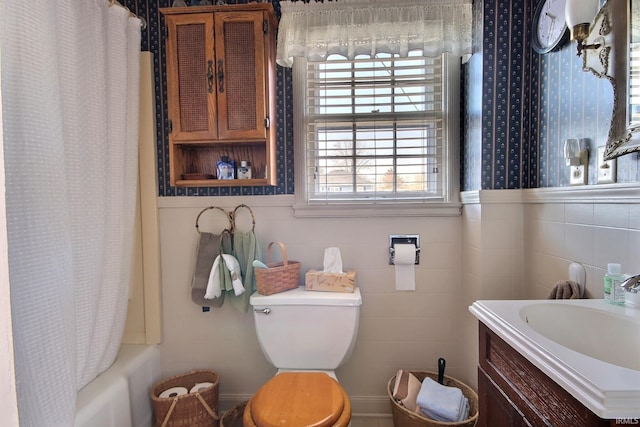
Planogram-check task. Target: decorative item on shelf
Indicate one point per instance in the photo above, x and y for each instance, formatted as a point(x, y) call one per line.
point(244, 171)
point(226, 168)
point(579, 15)
point(178, 3)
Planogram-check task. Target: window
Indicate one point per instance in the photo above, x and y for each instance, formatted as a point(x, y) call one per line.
point(378, 129)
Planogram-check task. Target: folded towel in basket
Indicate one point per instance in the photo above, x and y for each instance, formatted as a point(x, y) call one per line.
point(565, 289)
point(442, 403)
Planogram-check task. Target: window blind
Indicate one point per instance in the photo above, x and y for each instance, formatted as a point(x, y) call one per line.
point(374, 128)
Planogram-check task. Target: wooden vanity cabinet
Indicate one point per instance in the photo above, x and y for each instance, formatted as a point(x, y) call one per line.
point(514, 392)
point(221, 91)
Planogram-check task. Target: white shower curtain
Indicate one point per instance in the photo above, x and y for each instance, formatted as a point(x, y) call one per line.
point(70, 77)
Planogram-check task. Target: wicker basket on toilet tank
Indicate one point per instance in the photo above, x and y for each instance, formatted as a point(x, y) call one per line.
point(280, 276)
point(402, 417)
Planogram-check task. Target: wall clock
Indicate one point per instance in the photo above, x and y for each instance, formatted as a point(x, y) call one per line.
point(549, 28)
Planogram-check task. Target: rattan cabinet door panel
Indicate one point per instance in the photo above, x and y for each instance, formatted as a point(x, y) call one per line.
point(241, 82)
point(190, 77)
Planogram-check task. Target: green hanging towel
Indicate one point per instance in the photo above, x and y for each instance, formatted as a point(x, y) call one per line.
point(246, 249)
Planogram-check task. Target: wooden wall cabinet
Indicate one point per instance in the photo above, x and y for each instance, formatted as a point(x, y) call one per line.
point(514, 392)
point(221, 91)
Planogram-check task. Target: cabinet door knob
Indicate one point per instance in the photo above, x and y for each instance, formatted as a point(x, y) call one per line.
point(210, 76)
point(220, 76)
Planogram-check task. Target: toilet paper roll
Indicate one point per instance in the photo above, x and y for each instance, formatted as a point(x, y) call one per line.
point(173, 392)
point(404, 259)
point(200, 387)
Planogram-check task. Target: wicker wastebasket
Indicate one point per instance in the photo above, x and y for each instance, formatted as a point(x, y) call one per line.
point(402, 417)
point(195, 409)
point(233, 417)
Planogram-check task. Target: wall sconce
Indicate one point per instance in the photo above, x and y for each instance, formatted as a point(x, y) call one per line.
point(576, 155)
point(579, 14)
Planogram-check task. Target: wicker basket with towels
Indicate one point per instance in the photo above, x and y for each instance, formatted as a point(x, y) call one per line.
point(403, 417)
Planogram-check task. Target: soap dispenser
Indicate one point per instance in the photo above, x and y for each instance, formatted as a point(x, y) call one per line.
point(613, 292)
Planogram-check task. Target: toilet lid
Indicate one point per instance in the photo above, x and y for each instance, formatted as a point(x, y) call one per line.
point(295, 399)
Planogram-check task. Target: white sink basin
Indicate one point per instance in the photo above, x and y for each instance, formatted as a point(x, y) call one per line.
point(591, 331)
point(589, 347)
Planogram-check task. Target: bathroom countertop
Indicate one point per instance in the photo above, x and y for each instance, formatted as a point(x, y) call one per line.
point(608, 390)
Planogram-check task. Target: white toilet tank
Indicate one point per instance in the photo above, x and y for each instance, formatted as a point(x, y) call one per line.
point(307, 330)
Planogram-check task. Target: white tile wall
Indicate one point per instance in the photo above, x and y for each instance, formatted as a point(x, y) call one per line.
point(591, 234)
point(508, 246)
point(520, 244)
point(398, 329)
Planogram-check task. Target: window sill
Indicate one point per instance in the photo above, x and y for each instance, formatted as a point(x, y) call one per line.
point(359, 210)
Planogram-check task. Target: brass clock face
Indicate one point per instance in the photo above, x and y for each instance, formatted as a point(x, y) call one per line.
point(549, 28)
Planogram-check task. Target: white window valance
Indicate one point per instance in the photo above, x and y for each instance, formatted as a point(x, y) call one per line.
point(367, 27)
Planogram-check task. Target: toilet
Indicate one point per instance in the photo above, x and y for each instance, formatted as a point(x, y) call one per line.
point(306, 335)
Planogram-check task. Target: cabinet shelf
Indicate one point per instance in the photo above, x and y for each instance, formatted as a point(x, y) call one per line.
point(220, 144)
point(221, 182)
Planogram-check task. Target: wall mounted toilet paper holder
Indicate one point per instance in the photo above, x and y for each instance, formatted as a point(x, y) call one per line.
point(403, 239)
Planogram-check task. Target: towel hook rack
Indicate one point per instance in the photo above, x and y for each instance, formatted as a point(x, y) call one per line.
point(227, 215)
point(232, 216)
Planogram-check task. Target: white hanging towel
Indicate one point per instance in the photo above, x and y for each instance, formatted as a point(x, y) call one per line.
point(214, 286)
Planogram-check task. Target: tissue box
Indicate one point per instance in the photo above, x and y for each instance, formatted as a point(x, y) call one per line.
point(316, 280)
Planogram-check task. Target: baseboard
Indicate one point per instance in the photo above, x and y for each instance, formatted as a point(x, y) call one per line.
point(378, 406)
point(362, 406)
point(228, 401)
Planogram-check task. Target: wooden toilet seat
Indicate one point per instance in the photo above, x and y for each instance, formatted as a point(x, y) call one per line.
point(299, 399)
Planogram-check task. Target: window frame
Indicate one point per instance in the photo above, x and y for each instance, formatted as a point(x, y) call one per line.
point(448, 205)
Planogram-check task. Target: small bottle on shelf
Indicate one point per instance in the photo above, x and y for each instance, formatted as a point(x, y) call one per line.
point(226, 168)
point(244, 171)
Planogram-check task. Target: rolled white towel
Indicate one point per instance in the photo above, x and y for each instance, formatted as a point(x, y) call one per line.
point(214, 290)
point(442, 403)
point(236, 274)
point(214, 287)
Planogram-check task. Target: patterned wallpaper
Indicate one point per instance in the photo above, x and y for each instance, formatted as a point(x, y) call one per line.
point(519, 107)
point(522, 106)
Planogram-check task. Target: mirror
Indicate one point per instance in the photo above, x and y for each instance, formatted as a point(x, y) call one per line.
point(614, 54)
